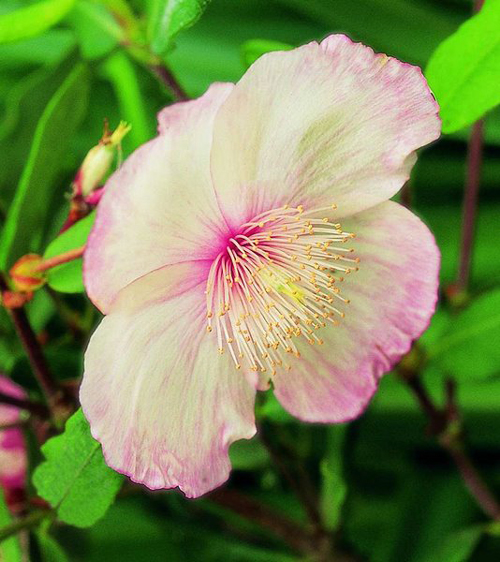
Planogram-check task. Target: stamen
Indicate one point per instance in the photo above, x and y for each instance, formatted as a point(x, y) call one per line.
point(275, 283)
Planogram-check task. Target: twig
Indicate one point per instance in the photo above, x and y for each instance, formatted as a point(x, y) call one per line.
point(28, 522)
point(291, 533)
point(169, 80)
point(474, 164)
point(36, 408)
point(60, 259)
point(445, 425)
point(35, 355)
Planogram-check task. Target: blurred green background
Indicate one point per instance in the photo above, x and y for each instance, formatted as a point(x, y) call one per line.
point(387, 490)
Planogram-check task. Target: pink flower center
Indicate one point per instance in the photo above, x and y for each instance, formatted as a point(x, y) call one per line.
point(277, 280)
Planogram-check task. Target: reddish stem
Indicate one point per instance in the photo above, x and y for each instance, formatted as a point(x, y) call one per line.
point(66, 257)
point(170, 81)
point(36, 408)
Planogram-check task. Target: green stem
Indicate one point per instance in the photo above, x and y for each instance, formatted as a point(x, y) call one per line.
point(29, 522)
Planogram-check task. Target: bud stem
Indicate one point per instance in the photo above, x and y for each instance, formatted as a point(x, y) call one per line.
point(66, 257)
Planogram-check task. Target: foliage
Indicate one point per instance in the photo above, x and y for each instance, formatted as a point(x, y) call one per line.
point(381, 487)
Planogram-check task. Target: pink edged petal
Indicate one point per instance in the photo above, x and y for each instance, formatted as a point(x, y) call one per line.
point(13, 458)
point(159, 207)
point(159, 397)
point(321, 124)
point(392, 298)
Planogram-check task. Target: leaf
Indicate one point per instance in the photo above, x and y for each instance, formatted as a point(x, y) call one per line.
point(50, 550)
point(68, 278)
point(169, 17)
point(10, 549)
point(97, 30)
point(32, 20)
point(334, 488)
point(456, 547)
point(464, 71)
point(254, 48)
point(31, 202)
point(248, 455)
point(75, 479)
point(470, 348)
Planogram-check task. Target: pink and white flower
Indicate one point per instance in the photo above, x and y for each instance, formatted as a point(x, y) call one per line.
point(13, 458)
point(252, 243)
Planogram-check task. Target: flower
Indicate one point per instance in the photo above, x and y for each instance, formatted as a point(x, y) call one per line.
point(252, 243)
point(13, 460)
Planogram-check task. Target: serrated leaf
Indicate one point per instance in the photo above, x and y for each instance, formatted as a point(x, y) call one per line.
point(68, 278)
point(464, 71)
point(32, 20)
point(10, 549)
point(254, 48)
point(74, 479)
point(169, 17)
point(470, 348)
point(31, 202)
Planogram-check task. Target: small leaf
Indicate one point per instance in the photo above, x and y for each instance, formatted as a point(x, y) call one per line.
point(75, 479)
point(457, 546)
point(334, 489)
point(51, 141)
point(10, 549)
point(169, 17)
point(68, 278)
point(254, 48)
point(469, 349)
point(32, 20)
point(464, 71)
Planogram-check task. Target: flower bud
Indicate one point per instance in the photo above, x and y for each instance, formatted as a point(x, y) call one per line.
point(98, 161)
point(24, 276)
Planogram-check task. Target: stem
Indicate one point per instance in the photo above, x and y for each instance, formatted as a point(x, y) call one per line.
point(474, 164)
point(66, 257)
point(168, 79)
point(293, 535)
point(33, 351)
point(36, 408)
point(445, 425)
point(28, 522)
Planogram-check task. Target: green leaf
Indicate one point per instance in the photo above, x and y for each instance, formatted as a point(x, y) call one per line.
point(50, 550)
point(169, 17)
point(10, 549)
point(464, 71)
point(67, 278)
point(470, 348)
point(334, 488)
point(248, 455)
point(456, 547)
point(31, 203)
point(75, 479)
point(32, 20)
point(254, 48)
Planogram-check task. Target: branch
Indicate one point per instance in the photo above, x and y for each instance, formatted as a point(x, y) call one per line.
point(60, 259)
point(168, 79)
point(445, 425)
point(36, 408)
point(29, 522)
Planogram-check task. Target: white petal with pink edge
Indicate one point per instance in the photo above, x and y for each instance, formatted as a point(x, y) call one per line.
point(158, 396)
point(392, 298)
point(322, 124)
point(159, 207)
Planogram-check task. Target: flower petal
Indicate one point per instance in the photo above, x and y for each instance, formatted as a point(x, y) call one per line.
point(393, 296)
point(159, 207)
point(321, 124)
point(158, 396)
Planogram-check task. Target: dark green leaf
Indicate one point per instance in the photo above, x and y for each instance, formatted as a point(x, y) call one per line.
point(75, 479)
point(32, 199)
point(470, 348)
point(50, 550)
point(456, 547)
point(169, 17)
point(255, 48)
point(67, 278)
point(32, 20)
point(464, 72)
point(248, 454)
